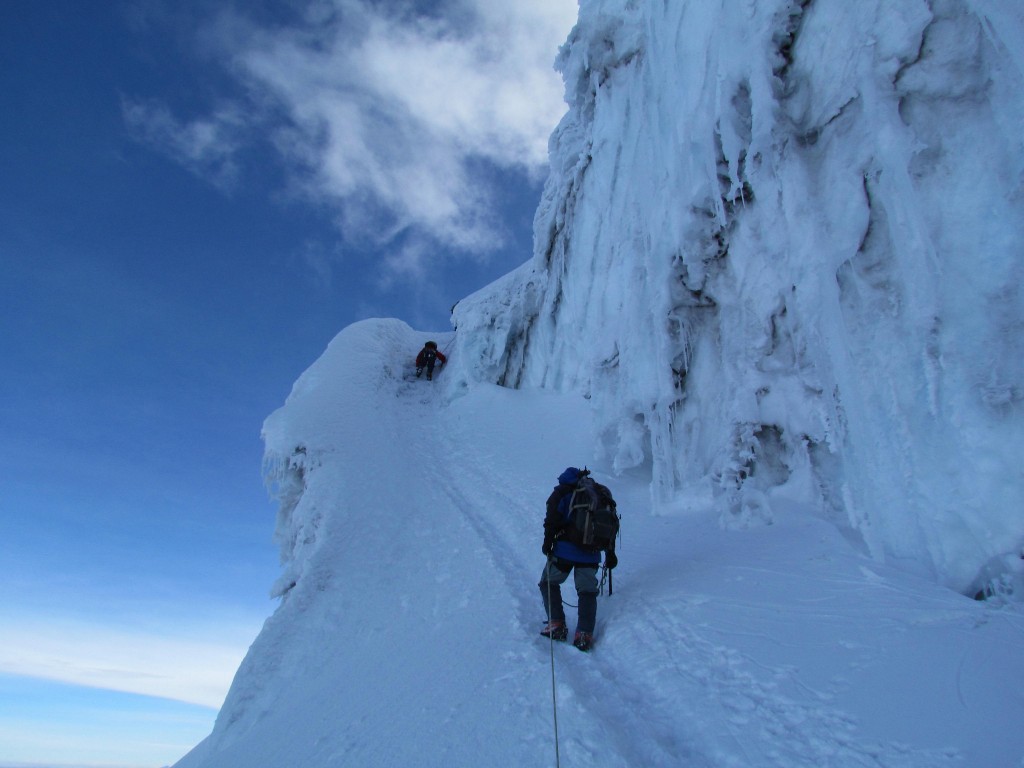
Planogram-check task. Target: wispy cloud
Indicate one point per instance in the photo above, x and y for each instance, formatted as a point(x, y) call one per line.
point(206, 146)
point(179, 663)
point(395, 118)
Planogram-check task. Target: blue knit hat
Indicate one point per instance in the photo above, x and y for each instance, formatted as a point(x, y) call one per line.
point(570, 476)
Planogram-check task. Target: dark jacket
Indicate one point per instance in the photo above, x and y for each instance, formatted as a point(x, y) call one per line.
point(421, 358)
point(557, 518)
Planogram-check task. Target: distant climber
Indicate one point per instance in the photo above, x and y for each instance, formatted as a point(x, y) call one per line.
point(569, 547)
point(426, 359)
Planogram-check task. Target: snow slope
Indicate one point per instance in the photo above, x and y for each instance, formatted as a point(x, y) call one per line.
point(406, 635)
point(776, 304)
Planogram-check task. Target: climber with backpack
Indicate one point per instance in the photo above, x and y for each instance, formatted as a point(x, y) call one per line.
point(580, 523)
point(426, 359)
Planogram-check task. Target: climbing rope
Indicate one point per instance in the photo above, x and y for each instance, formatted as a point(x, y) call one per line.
point(551, 645)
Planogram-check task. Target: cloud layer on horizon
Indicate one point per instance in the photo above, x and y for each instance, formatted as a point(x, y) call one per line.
point(193, 664)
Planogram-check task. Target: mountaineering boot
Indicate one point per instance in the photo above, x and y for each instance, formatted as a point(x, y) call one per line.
point(419, 372)
point(583, 640)
point(556, 630)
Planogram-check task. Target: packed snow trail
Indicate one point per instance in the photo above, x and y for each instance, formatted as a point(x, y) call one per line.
point(407, 634)
point(776, 283)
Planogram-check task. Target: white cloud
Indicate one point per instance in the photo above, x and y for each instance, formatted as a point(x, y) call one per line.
point(206, 146)
point(411, 260)
point(492, 90)
point(178, 663)
point(389, 115)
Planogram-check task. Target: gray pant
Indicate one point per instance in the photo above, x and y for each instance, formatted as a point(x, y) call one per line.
point(551, 579)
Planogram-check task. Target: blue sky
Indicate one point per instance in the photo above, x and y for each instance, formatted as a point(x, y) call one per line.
point(196, 197)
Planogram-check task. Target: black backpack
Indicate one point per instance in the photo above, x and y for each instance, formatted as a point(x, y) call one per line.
point(593, 521)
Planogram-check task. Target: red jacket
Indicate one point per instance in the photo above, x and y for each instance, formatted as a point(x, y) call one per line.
point(421, 357)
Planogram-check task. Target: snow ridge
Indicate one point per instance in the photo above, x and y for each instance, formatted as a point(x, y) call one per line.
point(407, 631)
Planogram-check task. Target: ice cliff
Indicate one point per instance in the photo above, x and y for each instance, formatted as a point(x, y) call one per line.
point(780, 250)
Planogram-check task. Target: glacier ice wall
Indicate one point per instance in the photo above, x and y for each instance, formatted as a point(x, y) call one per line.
point(780, 249)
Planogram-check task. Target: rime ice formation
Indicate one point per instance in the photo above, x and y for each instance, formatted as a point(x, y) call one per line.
point(781, 249)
